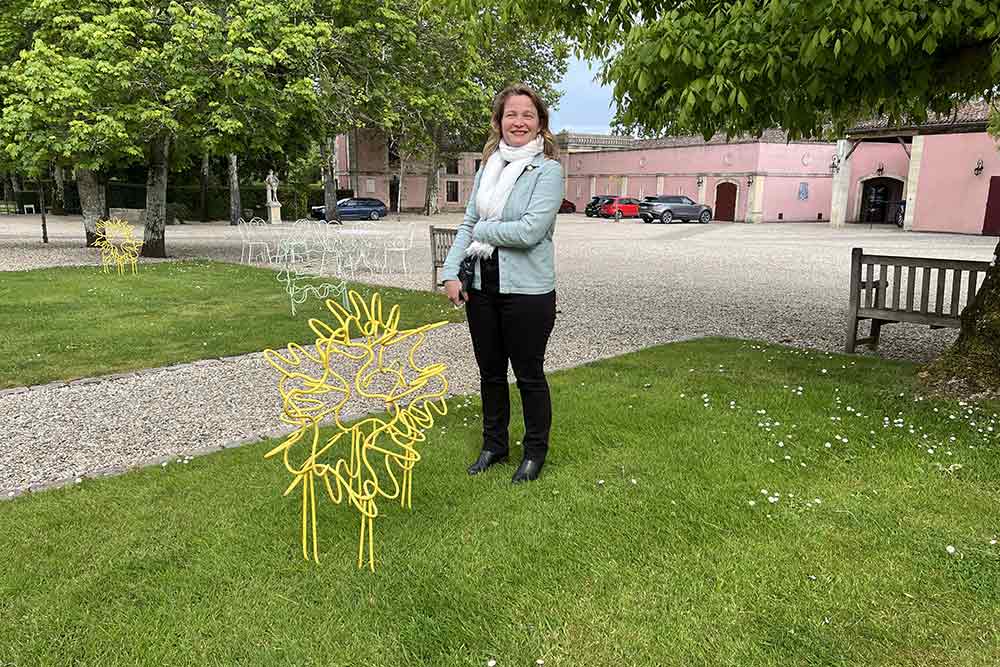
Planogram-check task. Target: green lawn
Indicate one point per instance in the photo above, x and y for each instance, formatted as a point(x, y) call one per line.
point(66, 323)
point(713, 555)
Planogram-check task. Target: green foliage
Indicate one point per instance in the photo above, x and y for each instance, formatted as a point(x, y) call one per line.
point(442, 68)
point(812, 68)
point(99, 81)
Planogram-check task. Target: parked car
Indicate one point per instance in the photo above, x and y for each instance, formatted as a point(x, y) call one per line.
point(567, 207)
point(670, 208)
point(355, 208)
point(593, 207)
point(620, 207)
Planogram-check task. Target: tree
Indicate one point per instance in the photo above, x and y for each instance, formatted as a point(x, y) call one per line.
point(53, 111)
point(811, 68)
point(109, 82)
point(444, 73)
point(347, 74)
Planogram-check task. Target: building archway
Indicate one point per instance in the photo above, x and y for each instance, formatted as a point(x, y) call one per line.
point(726, 198)
point(880, 200)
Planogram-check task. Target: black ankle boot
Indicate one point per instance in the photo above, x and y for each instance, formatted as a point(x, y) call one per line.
point(528, 470)
point(485, 460)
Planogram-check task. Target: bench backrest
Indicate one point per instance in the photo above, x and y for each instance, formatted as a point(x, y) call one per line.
point(441, 240)
point(935, 293)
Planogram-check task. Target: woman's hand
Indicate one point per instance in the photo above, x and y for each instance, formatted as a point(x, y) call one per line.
point(453, 288)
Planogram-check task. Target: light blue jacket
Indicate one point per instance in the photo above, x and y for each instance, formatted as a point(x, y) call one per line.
point(523, 235)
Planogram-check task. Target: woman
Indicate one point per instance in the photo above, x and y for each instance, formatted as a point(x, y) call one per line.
point(511, 302)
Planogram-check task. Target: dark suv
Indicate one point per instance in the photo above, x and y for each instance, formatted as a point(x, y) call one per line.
point(668, 208)
point(593, 207)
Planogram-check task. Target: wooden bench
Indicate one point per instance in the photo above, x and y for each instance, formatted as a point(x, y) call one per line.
point(938, 302)
point(441, 240)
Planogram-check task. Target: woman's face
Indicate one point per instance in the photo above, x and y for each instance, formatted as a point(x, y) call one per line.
point(519, 124)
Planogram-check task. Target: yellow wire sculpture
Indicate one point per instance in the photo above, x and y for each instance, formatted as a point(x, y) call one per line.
point(359, 462)
point(118, 246)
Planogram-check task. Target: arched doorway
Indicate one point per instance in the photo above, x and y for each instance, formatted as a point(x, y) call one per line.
point(725, 202)
point(881, 200)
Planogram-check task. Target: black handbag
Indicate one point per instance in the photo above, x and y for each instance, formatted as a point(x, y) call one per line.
point(466, 272)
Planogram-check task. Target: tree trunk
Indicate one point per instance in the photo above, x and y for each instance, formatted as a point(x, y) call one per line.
point(235, 206)
point(328, 154)
point(401, 190)
point(15, 181)
point(153, 241)
point(205, 170)
point(59, 196)
point(41, 200)
point(975, 356)
point(431, 191)
point(91, 202)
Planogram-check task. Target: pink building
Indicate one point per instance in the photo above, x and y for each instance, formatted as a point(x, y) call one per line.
point(744, 180)
point(940, 176)
point(367, 166)
point(758, 180)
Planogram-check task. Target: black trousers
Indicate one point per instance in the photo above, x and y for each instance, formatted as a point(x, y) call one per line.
point(513, 328)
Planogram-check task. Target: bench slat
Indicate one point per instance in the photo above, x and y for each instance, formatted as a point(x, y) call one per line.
point(925, 288)
point(963, 264)
point(883, 278)
point(911, 278)
point(942, 321)
point(896, 281)
point(956, 291)
point(939, 297)
point(869, 299)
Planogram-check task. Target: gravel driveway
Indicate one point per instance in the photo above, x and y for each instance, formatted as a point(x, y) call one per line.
point(622, 286)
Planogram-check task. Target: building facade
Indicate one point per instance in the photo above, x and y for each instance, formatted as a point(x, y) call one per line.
point(941, 176)
point(765, 179)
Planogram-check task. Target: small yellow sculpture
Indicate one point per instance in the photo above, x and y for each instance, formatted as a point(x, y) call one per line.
point(374, 457)
point(118, 246)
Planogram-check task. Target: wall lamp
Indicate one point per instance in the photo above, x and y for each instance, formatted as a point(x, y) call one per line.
point(978, 171)
point(701, 181)
point(880, 170)
point(749, 180)
point(835, 164)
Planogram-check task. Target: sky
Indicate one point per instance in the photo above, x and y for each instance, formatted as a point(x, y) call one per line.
point(585, 105)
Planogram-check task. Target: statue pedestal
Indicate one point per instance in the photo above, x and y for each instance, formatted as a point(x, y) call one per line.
point(274, 213)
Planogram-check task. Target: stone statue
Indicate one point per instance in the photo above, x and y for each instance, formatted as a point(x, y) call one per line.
point(272, 183)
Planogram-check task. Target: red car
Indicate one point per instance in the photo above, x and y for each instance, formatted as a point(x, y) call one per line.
point(567, 206)
point(620, 207)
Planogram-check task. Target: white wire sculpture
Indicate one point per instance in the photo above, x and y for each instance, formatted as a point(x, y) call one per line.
point(253, 233)
point(299, 290)
point(307, 250)
point(400, 245)
point(364, 244)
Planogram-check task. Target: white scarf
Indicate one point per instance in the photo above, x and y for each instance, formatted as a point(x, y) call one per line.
point(501, 172)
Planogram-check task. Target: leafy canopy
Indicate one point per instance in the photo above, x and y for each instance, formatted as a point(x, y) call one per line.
point(810, 67)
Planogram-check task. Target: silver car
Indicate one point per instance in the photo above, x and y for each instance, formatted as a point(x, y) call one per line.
point(669, 208)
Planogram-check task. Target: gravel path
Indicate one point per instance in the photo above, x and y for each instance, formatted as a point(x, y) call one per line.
point(621, 287)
